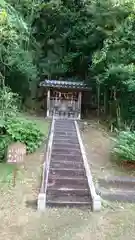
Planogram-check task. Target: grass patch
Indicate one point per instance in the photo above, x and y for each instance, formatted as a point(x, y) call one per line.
point(6, 173)
point(41, 122)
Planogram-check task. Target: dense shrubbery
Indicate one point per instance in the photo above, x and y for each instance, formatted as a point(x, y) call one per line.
point(124, 148)
point(13, 128)
point(24, 131)
point(20, 130)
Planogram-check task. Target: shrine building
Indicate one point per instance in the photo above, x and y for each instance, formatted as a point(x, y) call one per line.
point(63, 98)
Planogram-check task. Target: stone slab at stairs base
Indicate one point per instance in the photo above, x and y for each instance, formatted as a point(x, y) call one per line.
point(117, 188)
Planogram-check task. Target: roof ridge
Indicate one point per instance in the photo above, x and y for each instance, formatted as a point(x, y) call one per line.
point(64, 84)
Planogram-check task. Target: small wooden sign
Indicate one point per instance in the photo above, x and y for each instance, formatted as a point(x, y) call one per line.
point(16, 152)
point(15, 155)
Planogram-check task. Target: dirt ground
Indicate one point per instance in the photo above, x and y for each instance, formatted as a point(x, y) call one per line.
point(19, 219)
point(98, 144)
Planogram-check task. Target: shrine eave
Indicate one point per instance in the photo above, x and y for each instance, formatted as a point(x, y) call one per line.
point(64, 84)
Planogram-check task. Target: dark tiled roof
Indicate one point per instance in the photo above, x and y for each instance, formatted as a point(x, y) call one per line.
point(63, 84)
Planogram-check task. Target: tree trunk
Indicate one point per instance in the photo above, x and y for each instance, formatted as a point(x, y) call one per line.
point(98, 99)
point(118, 111)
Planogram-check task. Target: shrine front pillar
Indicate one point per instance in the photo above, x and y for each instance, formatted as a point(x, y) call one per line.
point(48, 102)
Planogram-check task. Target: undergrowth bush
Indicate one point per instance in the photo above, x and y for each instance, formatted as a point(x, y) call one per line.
point(14, 129)
point(124, 148)
point(4, 141)
point(20, 130)
point(26, 132)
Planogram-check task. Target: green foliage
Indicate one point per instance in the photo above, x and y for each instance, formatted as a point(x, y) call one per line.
point(4, 142)
point(62, 38)
point(24, 131)
point(16, 54)
point(13, 128)
point(124, 148)
point(9, 103)
point(67, 36)
point(89, 40)
point(113, 65)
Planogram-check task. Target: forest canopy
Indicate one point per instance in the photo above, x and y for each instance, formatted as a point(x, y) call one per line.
point(86, 40)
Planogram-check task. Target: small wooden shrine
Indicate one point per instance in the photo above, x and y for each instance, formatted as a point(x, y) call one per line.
point(64, 98)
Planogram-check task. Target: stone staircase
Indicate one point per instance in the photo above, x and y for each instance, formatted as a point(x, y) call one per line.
point(67, 181)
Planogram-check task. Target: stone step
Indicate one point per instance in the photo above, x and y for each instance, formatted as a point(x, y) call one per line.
point(68, 135)
point(69, 198)
point(65, 140)
point(64, 122)
point(67, 183)
point(67, 172)
point(70, 129)
point(67, 153)
point(68, 192)
point(72, 152)
point(58, 204)
point(65, 128)
point(65, 137)
point(61, 122)
point(66, 164)
point(63, 157)
point(119, 195)
point(65, 131)
point(65, 146)
point(66, 178)
point(117, 182)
